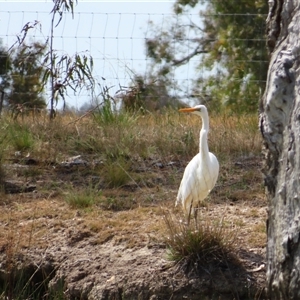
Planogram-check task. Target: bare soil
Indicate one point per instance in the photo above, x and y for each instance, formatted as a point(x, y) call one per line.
point(116, 249)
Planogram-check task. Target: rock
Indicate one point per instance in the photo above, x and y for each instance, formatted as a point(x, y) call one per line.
point(11, 187)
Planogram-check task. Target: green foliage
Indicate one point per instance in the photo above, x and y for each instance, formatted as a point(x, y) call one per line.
point(239, 50)
point(66, 71)
point(147, 94)
point(31, 74)
point(21, 75)
point(27, 71)
point(229, 40)
point(5, 69)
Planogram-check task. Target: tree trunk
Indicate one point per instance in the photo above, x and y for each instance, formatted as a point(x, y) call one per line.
point(280, 127)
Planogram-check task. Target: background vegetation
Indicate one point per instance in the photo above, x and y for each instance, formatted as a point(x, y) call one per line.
point(130, 160)
point(225, 48)
point(229, 41)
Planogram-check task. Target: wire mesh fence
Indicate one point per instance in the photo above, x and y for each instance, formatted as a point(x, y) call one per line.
point(115, 40)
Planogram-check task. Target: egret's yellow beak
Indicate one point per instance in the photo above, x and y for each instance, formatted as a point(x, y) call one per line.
point(188, 109)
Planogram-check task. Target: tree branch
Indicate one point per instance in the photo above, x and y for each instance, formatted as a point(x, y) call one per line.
point(177, 62)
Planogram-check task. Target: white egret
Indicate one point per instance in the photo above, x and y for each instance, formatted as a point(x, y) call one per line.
point(201, 173)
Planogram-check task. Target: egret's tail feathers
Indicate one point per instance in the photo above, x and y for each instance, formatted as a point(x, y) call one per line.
point(178, 199)
point(188, 207)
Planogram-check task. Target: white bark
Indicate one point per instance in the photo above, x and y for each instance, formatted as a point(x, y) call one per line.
point(280, 127)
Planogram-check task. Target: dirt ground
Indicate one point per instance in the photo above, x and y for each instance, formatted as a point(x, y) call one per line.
point(118, 252)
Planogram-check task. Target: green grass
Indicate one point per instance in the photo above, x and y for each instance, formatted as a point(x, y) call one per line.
point(20, 137)
point(82, 198)
point(116, 172)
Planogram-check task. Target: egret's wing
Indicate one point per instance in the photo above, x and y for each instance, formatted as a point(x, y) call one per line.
point(208, 174)
point(188, 190)
point(214, 169)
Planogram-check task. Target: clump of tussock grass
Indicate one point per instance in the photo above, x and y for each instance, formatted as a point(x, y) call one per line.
point(116, 172)
point(20, 136)
point(83, 198)
point(200, 244)
point(106, 115)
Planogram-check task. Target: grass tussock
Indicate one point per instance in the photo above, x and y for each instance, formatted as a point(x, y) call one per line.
point(83, 198)
point(200, 244)
point(116, 172)
point(20, 137)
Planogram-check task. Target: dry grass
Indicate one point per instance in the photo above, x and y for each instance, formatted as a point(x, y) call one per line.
point(135, 164)
point(144, 154)
point(162, 135)
point(203, 242)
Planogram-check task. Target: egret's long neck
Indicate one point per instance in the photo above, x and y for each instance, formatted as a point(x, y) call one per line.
point(203, 145)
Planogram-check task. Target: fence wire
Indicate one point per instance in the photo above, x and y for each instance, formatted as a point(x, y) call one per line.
point(116, 41)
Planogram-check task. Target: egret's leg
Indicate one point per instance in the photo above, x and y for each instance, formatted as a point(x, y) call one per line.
point(195, 216)
point(189, 216)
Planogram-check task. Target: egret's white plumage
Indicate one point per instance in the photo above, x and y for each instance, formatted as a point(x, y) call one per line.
point(201, 173)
